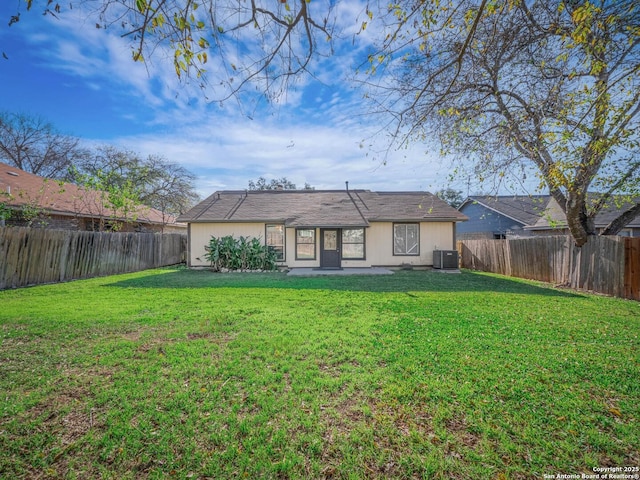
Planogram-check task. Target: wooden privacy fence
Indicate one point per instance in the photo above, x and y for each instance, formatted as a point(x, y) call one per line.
point(35, 256)
point(608, 265)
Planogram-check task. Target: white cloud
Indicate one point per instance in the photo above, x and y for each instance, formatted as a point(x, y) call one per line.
point(227, 157)
point(314, 134)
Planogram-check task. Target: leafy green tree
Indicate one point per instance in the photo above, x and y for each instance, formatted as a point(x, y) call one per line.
point(5, 210)
point(27, 206)
point(159, 184)
point(115, 200)
point(282, 183)
point(451, 196)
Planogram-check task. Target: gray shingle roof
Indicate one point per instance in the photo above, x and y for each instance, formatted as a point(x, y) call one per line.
point(524, 209)
point(554, 217)
point(320, 208)
point(543, 212)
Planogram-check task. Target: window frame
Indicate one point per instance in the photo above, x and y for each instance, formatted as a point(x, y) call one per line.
point(406, 224)
point(284, 239)
point(314, 243)
point(363, 243)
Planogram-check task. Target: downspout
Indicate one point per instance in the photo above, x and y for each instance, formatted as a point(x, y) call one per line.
point(455, 244)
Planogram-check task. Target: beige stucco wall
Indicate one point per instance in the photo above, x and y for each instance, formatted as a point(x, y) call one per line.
point(378, 237)
point(201, 233)
point(379, 246)
point(433, 236)
point(290, 245)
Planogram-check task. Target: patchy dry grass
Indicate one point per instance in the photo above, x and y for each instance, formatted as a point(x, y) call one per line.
point(180, 374)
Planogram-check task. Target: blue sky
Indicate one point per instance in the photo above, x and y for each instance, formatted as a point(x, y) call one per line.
point(83, 81)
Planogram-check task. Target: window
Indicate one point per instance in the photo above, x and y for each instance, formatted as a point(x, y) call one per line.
point(275, 239)
point(406, 239)
point(305, 244)
point(353, 243)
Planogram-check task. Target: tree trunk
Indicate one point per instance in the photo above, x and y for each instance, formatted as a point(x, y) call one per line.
point(580, 224)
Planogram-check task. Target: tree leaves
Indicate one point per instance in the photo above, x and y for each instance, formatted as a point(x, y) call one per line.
point(141, 5)
point(282, 183)
point(544, 85)
point(159, 184)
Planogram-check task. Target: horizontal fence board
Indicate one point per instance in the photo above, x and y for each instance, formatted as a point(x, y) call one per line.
point(605, 264)
point(33, 256)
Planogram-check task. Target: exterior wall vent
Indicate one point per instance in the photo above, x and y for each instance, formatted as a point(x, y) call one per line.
point(445, 259)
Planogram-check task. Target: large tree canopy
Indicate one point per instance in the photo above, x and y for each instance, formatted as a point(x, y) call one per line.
point(34, 145)
point(153, 181)
point(511, 84)
point(508, 85)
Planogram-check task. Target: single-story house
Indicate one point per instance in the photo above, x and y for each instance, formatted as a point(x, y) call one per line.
point(503, 216)
point(328, 228)
point(31, 200)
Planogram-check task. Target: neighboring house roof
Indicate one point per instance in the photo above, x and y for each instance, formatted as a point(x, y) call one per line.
point(542, 212)
point(523, 209)
point(67, 199)
point(554, 217)
point(320, 208)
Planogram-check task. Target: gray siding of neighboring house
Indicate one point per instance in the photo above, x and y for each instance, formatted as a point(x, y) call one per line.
point(484, 222)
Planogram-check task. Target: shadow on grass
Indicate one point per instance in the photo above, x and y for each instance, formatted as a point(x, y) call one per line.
point(401, 281)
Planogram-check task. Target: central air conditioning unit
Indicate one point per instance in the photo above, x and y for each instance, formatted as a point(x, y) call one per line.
point(445, 259)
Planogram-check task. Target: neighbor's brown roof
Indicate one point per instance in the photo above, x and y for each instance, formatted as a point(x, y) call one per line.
point(61, 198)
point(320, 208)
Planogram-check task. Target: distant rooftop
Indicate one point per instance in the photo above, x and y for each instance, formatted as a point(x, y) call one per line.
point(543, 212)
point(63, 198)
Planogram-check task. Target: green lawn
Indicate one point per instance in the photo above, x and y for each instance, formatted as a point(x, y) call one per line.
point(180, 374)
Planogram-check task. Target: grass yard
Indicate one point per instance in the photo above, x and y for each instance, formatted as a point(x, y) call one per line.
point(182, 374)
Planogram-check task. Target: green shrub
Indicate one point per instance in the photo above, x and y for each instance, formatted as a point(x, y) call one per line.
point(241, 253)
